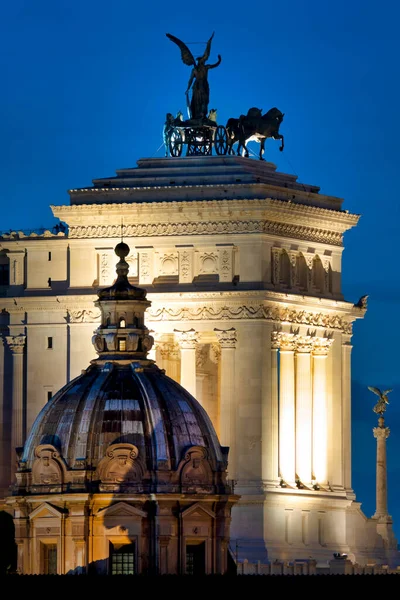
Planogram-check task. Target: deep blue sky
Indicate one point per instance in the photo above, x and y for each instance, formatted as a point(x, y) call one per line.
point(86, 86)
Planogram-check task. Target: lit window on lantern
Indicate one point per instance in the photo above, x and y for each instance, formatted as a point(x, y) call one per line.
point(122, 323)
point(122, 345)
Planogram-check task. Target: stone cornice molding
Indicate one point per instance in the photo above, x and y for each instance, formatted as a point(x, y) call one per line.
point(187, 340)
point(227, 338)
point(16, 343)
point(269, 215)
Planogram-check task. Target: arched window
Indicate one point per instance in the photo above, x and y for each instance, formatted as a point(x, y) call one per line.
point(302, 272)
point(122, 323)
point(284, 268)
point(319, 275)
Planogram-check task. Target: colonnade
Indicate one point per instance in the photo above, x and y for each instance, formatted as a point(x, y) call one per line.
point(300, 390)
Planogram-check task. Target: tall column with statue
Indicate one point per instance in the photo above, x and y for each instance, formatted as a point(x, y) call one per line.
point(384, 520)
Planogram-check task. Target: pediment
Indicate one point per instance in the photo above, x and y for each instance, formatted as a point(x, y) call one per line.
point(121, 509)
point(46, 510)
point(197, 510)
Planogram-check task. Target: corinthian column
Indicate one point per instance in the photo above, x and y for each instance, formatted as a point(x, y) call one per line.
point(286, 408)
point(187, 341)
point(303, 409)
point(320, 410)
point(381, 433)
point(227, 340)
point(16, 345)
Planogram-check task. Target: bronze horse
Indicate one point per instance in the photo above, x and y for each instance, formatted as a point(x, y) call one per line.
point(254, 127)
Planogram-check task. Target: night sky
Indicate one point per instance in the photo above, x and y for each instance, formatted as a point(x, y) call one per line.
point(86, 87)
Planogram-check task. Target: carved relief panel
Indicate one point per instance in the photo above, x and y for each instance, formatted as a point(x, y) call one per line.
point(167, 264)
point(146, 265)
point(186, 255)
point(133, 259)
point(16, 268)
point(207, 262)
point(105, 266)
point(226, 263)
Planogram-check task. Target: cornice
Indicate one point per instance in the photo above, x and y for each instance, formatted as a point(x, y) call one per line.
point(260, 215)
point(224, 205)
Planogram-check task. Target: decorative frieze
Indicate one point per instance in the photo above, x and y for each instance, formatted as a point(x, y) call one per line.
point(233, 312)
point(208, 228)
point(84, 316)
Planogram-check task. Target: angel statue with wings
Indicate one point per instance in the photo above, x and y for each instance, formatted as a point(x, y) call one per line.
point(380, 407)
point(198, 78)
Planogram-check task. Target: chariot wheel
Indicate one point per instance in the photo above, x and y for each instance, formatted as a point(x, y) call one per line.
point(175, 142)
point(221, 140)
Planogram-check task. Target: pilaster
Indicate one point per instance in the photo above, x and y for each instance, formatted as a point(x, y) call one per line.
point(187, 341)
point(227, 339)
point(17, 345)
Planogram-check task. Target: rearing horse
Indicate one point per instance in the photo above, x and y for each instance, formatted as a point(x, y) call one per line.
point(254, 127)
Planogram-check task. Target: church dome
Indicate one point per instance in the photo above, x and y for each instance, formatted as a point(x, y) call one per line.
point(134, 412)
point(123, 424)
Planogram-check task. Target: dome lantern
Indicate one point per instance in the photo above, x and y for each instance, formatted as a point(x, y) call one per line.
point(122, 335)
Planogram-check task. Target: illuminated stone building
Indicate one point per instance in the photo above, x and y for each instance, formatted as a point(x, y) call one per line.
point(242, 265)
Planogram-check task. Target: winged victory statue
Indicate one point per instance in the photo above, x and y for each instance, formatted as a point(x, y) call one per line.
point(380, 407)
point(198, 81)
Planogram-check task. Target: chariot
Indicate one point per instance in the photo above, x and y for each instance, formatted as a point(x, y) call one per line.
point(198, 139)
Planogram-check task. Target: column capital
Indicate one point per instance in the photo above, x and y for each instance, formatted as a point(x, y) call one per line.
point(304, 344)
point(381, 432)
point(321, 346)
point(227, 338)
point(287, 342)
point(168, 349)
point(187, 339)
point(16, 343)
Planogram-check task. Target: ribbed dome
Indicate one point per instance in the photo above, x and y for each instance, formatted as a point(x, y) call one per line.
point(113, 404)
